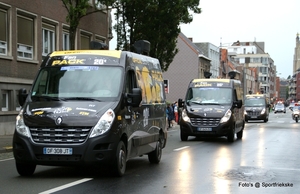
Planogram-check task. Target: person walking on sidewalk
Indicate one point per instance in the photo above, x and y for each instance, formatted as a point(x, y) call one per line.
point(170, 115)
point(175, 111)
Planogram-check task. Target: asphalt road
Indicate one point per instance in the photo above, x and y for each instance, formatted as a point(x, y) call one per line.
point(266, 160)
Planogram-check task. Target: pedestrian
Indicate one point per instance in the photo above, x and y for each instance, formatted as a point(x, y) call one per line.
point(170, 115)
point(176, 111)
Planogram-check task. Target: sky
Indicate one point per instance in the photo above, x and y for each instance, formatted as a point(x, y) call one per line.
point(274, 22)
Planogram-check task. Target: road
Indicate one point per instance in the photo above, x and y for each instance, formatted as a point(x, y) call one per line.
point(266, 160)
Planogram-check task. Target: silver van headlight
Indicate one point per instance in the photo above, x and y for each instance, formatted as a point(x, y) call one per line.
point(21, 128)
point(185, 117)
point(104, 123)
point(263, 111)
point(226, 117)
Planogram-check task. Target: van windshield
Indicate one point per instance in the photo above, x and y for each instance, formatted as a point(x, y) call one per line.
point(255, 102)
point(77, 82)
point(205, 96)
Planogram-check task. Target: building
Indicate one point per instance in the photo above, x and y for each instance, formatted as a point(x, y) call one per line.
point(252, 55)
point(189, 63)
point(213, 53)
point(29, 30)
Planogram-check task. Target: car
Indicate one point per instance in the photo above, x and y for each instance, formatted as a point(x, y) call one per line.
point(279, 108)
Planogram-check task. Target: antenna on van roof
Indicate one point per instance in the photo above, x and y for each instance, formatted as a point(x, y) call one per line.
point(142, 47)
point(94, 45)
point(207, 74)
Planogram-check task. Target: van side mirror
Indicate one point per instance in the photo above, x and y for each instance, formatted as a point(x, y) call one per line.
point(180, 103)
point(22, 95)
point(134, 99)
point(238, 103)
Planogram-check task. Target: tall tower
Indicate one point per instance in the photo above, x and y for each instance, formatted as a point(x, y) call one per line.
point(296, 65)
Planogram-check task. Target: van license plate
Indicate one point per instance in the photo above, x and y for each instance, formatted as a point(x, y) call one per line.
point(58, 151)
point(204, 129)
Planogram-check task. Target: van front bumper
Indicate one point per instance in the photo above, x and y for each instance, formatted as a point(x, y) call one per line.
point(97, 150)
point(221, 130)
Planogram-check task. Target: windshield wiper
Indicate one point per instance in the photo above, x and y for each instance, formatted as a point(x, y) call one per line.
point(196, 102)
point(82, 98)
point(48, 98)
point(211, 103)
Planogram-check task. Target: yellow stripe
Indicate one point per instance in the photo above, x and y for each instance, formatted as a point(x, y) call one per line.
point(211, 80)
point(108, 53)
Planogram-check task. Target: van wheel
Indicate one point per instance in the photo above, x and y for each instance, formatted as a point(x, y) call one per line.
point(230, 135)
point(239, 134)
point(183, 136)
point(25, 169)
point(155, 156)
point(266, 120)
point(119, 163)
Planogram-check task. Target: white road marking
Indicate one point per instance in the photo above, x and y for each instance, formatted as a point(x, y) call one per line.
point(66, 186)
point(7, 159)
point(182, 148)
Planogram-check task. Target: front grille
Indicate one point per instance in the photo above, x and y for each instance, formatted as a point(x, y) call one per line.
point(68, 135)
point(205, 122)
point(253, 113)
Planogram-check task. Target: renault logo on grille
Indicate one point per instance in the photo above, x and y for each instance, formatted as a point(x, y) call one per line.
point(58, 121)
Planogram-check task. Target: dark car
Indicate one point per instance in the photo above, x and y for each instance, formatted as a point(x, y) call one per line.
point(279, 108)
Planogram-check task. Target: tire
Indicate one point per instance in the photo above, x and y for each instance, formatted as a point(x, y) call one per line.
point(266, 120)
point(183, 136)
point(155, 156)
point(120, 159)
point(239, 134)
point(296, 119)
point(231, 134)
point(25, 169)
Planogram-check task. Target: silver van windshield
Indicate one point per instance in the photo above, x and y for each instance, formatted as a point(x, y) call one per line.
point(78, 82)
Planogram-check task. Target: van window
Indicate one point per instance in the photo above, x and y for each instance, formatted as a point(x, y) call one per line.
point(207, 95)
point(78, 81)
point(255, 102)
point(130, 81)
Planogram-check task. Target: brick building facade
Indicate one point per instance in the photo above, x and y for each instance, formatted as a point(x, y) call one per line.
point(29, 30)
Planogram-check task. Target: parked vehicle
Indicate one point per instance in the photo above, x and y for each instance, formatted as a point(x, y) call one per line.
point(279, 108)
point(296, 115)
point(91, 107)
point(256, 107)
point(212, 107)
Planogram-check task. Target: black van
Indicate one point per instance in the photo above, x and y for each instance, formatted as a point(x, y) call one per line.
point(91, 107)
point(212, 107)
point(256, 107)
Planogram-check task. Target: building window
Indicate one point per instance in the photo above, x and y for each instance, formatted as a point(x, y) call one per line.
point(3, 32)
point(4, 104)
point(25, 37)
point(85, 41)
point(66, 40)
point(48, 39)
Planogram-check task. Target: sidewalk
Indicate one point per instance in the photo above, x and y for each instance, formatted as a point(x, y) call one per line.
point(6, 143)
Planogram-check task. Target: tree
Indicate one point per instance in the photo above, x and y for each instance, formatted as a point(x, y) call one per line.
point(156, 21)
point(77, 9)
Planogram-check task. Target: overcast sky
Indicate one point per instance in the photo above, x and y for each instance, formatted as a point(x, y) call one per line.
point(274, 22)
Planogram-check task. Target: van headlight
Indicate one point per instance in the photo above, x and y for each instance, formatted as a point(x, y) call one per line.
point(21, 128)
point(263, 111)
point(104, 123)
point(185, 117)
point(226, 117)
